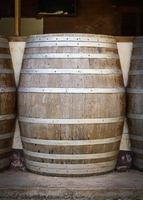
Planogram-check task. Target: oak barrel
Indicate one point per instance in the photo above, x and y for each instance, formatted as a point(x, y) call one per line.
point(71, 104)
point(7, 103)
point(135, 102)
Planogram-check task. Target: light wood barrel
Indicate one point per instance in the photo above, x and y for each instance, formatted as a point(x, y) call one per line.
point(7, 104)
point(135, 102)
point(71, 104)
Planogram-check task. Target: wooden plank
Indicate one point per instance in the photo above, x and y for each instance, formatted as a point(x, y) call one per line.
point(17, 17)
point(124, 39)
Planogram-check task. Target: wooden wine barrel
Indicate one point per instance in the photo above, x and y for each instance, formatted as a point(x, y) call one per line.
point(7, 104)
point(71, 104)
point(135, 102)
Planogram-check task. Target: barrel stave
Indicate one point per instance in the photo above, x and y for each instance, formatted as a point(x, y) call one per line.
point(69, 108)
point(58, 132)
point(85, 63)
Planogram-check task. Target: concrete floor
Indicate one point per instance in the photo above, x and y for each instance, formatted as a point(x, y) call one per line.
point(112, 186)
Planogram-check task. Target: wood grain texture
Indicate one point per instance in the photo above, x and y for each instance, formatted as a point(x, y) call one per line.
point(7, 106)
point(71, 106)
point(135, 103)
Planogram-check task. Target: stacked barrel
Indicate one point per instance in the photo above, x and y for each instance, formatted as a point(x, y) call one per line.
point(71, 104)
point(135, 102)
point(7, 104)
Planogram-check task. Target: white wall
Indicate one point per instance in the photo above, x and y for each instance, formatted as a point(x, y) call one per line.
point(29, 26)
point(17, 51)
point(125, 52)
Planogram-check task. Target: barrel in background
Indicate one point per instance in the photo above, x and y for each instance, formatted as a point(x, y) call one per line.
point(7, 104)
point(71, 104)
point(135, 102)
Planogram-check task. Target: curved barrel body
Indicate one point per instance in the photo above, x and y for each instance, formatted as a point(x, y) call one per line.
point(71, 104)
point(135, 102)
point(7, 104)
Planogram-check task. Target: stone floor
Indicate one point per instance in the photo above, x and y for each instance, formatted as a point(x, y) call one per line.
point(113, 186)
